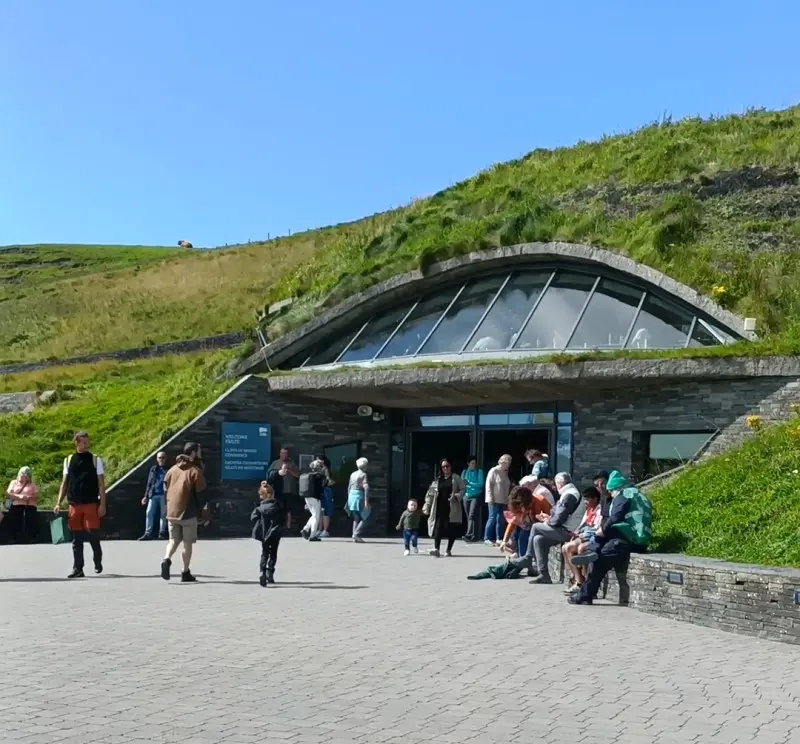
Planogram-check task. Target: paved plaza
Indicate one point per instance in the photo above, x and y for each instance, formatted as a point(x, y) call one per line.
point(357, 644)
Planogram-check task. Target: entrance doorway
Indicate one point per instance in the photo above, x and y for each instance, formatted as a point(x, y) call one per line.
point(428, 449)
point(514, 442)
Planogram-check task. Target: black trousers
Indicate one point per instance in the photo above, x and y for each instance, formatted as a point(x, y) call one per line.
point(446, 530)
point(269, 554)
point(78, 539)
point(613, 554)
point(22, 524)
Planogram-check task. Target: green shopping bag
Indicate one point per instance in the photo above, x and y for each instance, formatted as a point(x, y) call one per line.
point(59, 532)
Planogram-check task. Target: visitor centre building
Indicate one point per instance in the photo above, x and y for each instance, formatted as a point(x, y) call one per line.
point(480, 355)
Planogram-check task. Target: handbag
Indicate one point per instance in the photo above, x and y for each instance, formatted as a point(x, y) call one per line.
point(59, 532)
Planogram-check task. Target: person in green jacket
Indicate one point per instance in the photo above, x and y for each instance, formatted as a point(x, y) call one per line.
point(474, 482)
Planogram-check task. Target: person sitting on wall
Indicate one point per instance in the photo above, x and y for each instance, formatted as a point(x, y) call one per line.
point(592, 519)
point(553, 529)
point(626, 530)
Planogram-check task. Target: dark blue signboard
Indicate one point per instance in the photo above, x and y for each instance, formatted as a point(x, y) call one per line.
point(246, 450)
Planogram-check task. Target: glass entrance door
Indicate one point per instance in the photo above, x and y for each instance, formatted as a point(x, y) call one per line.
point(428, 449)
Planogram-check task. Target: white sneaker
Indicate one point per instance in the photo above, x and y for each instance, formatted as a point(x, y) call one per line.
point(490, 543)
point(406, 552)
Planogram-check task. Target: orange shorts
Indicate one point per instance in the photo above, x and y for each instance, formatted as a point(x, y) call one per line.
point(83, 517)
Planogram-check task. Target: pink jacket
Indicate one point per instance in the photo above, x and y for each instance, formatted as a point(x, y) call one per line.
point(22, 495)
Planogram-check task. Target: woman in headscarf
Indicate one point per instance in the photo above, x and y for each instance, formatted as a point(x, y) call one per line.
point(358, 498)
point(22, 495)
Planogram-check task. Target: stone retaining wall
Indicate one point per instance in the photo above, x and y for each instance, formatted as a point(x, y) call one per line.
point(760, 601)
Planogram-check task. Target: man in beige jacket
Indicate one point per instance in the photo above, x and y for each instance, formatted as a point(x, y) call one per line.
point(185, 508)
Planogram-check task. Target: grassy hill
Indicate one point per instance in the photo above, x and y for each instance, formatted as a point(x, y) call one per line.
point(707, 202)
point(128, 409)
point(742, 506)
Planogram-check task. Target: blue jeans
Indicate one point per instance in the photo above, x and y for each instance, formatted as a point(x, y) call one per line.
point(155, 506)
point(522, 537)
point(410, 538)
point(496, 523)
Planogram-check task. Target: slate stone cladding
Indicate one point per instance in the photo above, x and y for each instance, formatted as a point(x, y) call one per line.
point(751, 600)
point(303, 425)
point(606, 425)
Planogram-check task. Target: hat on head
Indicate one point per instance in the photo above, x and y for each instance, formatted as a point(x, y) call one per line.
point(616, 481)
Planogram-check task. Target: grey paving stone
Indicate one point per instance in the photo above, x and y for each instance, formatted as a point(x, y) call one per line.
point(358, 644)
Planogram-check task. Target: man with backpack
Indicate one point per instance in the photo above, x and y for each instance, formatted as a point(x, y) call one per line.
point(84, 486)
point(311, 487)
point(626, 530)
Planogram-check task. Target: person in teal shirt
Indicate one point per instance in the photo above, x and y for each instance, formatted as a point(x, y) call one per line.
point(474, 482)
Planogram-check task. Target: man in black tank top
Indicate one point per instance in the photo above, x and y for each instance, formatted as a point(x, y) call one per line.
point(83, 483)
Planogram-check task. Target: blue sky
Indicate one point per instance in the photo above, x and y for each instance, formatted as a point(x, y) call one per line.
point(144, 121)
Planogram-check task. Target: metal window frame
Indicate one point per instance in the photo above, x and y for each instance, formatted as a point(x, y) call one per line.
point(441, 318)
point(634, 319)
point(485, 313)
point(352, 340)
point(691, 331)
point(532, 310)
point(396, 329)
point(711, 330)
point(582, 312)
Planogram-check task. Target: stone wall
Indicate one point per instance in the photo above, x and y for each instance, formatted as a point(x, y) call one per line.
point(606, 426)
point(752, 600)
point(223, 341)
point(17, 402)
point(303, 425)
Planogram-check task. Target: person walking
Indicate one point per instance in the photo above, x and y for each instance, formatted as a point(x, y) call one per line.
point(498, 485)
point(22, 493)
point(474, 482)
point(443, 508)
point(358, 498)
point(154, 499)
point(83, 484)
point(268, 520)
point(185, 510)
point(312, 486)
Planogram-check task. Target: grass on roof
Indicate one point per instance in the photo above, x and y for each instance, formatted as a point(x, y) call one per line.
point(707, 202)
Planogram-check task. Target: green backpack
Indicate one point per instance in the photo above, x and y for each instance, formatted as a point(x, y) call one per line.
point(638, 525)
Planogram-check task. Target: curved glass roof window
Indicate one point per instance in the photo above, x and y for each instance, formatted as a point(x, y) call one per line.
point(518, 314)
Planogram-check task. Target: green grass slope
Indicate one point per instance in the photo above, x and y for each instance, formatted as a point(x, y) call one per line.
point(128, 409)
point(742, 506)
point(707, 202)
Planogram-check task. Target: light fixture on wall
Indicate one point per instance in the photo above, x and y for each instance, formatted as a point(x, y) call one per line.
point(378, 416)
point(364, 410)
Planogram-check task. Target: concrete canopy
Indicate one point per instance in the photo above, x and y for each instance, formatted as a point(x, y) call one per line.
point(329, 326)
point(455, 385)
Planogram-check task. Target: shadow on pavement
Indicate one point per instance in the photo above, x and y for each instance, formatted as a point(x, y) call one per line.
point(43, 579)
point(286, 584)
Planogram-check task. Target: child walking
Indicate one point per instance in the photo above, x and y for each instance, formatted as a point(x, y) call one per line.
point(409, 524)
point(268, 519)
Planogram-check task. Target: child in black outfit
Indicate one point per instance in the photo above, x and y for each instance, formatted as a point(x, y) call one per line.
point(268, 519)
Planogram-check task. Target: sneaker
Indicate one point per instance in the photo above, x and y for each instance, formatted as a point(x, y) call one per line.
point(358, 539)
point(416, 550)
point(541, 580)
point(490, 543)
point(324, 535)
point(143, 537)
point(435, 553)
point(98, 568)
point(577, 599)
point(262, 579)
point(163, 536)
point(448, 554)
point(270, 578)
point(187, 577)
point(406, 552)
point(306, 534)
point(77, 573)
point(166, 564)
